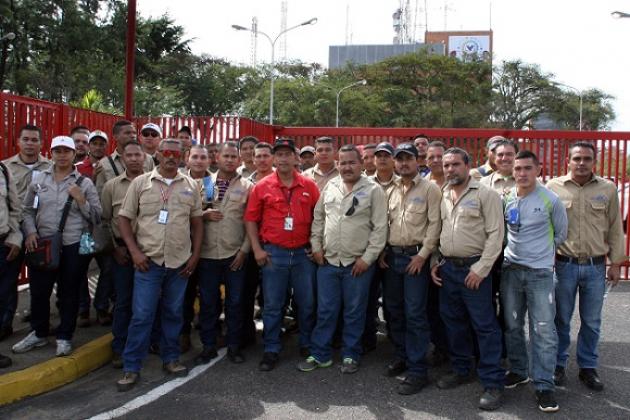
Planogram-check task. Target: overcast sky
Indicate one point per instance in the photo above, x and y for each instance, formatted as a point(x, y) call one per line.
point(576, 40)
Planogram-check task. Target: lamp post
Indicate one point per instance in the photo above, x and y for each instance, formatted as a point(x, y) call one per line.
point(131, 59)
point(579, 92)
point(272, 42)
point(360, 82)
point(620, 15)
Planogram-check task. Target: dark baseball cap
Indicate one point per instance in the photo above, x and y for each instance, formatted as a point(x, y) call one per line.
point(384, 147)
point(284, 143)
point(406, 148)
point(493, 142)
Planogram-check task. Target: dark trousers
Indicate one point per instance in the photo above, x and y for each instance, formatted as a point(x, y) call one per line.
point(123, 288)
point(189, 302)
point(371, 318)
point(104, 288)
point(438, 329)
point(252, 282)
point(68, 276)
point(9, 273)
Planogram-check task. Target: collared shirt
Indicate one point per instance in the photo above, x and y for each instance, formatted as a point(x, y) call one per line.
point(499, 183)
point(482, 171)
point(23, 173)
point(320, 178)
point(414, 215)
point(164, 243)
point(271, 203)
point(42, 214)
point(86, 167)
point(243, 171)
point(252, 178)
point(387, 186)
point(536, 225)
point(472, 226)
point(429, 177)
point(112, 198)
point(595, 225)
point(345, 237)
point(424, 170)
point(107, 171)
point(10, 210)
point(224, 238)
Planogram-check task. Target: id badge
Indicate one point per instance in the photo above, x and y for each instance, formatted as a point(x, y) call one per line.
point(288, 223)
point(163, 217)
point(36, 202)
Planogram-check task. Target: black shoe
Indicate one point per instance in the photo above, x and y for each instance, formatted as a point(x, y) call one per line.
point(5, 361)
point(412, 385)
point(396, 368)
point(491, 399)
point(547, 401)
point(560, 376)
point(305, 352)
point(6, 332)
point(128, 381)
point(453, 380)
point(206, 355)
point(590, 378)
point(512, 380)
point(438, 357)
point(268, 362)
point(235, 356)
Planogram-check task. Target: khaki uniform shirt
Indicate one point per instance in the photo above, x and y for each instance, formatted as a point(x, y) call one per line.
point(387, 186)
point(106, 171)
point(223, 239)
point(476, 174)
point(167, 244)
point(10, 210)
point(595, 225)
point(414, 215)
point(112, 198)
point(23, 174)
point(429, 177)
point(44, 202)
point(343, 238)
point(499, 183)
point(320, 178)
point(472, 226)
point(243, 171)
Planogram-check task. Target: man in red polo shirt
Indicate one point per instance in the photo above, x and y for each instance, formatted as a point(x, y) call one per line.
point(278, 221)
point(97, 144)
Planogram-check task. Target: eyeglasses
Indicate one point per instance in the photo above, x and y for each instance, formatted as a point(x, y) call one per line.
point(150, 133)
point(171, 153)
point(355, 203)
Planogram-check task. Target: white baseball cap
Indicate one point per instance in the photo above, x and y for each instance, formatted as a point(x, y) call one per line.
point(152, 126)
point(62, 141)
point(98, 134)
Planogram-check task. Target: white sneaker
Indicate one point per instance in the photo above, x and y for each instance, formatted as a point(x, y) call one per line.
point(29, 343)
point(64, 347)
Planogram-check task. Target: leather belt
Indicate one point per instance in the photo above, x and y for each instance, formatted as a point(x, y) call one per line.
point(405, 250)
point(462, 261)
point(601, 259)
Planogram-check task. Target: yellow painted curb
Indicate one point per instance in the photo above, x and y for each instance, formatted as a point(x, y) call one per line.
point(55, 372)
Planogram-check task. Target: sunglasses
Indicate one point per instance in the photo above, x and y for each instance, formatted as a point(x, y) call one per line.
point(150, 133)
point(355, 203)
point(171, 153)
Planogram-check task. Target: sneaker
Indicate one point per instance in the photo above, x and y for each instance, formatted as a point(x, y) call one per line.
point(206, 355)
point(234, 355)
point(64, 348)
point(559, 376)
point(453, 380)
point(312, 363)
point(547, 401)
point(412, 385)
point(491, 399)
point(5, 361)
point(268, 362)
point(29, 343)
point(349, 365)
point(512, 380)
point(128, 381)
point(175, 368)
point(590, 378)
point(395, 368)
point(84, 320)
point(117, 361)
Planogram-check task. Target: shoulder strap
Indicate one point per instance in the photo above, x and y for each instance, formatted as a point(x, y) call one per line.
point(482, 171)
point(114, 168)
point(66, 208)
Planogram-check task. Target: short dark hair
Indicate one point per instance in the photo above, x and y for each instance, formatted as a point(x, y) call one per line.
point(369, 146)
point(199, 147)
point(584, 144)
point(351, 148)
point(245, 140)
point(325, 139)
point(171, 140)
point(185, 129)
point(506, 142)
point(118, 125)
point(420, 136)
point(229, 143)
point(80, 128)
point(30, 127)
point(131, 143)
point(460, 152)
point(263, 145)
point(437, 143)
point(527, 154)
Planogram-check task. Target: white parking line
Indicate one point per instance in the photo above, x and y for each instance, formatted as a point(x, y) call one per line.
point(158, 392)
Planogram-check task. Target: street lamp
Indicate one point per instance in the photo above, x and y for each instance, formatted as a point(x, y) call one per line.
point(620, 15)
point(360, 82)
point(579, 92)
point(273, 54)
point(8, 37)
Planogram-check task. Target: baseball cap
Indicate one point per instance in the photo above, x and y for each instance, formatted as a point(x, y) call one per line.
point(494, 141)
point(284, 143)
point(406, 148)
point(62, 141)
point(384, 147)
point(307, 149)
point(152, 126)
point(98, 133)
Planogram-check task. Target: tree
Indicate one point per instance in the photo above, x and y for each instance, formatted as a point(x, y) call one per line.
point(597, 110)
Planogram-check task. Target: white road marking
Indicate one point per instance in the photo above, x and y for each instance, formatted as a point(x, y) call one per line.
point(158, 392)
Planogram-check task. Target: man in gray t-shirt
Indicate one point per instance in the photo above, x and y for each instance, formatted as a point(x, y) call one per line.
point(536, 224)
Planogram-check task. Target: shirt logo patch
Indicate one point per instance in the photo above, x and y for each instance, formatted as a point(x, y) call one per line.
point(537, 210)
point(306, 194)
point(418, 200)
point(600, 198)
point(186, 192)
point(238, 192)
point(361, 194)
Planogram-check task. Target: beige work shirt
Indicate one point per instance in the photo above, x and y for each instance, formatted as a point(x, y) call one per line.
point(388, 185)
point(224, 238)
point(595, 225)
point(474, 172)
point(320, 178)
point(344, 238)
point(414, 215)
point(23, 174)
point(106, 172)
point(10, 210)
point(499, 183)
point(473, 225)
point(166, 244)
point(44, 202)
point(112, 199)
point(243, 171)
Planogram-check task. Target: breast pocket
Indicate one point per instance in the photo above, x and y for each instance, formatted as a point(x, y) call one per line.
point(149, 203)
point(331, 205)
point(416, 215)
point(597, 210)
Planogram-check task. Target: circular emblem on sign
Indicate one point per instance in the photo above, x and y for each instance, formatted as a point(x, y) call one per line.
point(471, 47)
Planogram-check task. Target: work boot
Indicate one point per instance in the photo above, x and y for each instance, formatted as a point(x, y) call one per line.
point(453, 380)
point(128, 381)
point(175, 368)
point(491, 399)
point(559, 376)
point(104, 318)
point(412, 385)
point(590, 378)
point(206, 355)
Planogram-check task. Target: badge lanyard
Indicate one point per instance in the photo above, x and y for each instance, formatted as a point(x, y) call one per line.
point(163, 216)
point(288, 221)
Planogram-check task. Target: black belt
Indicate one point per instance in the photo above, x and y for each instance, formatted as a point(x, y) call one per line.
point(514, 266)
point(462, 261)
point(405, 250)
point(601, 259)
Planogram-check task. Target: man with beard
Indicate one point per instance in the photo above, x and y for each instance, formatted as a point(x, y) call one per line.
point(80, 134)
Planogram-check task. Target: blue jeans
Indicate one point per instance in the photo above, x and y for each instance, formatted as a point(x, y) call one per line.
point(163, 285)
point(289, 268)
point(590, 280)
point(405, 298)
point(460, 307)
point(123, 276)
point(211, 274)
point(337, 288)
point(530, 290)
point(9, 273)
